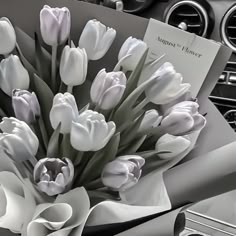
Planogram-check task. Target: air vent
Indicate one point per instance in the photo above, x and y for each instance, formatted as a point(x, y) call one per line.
point(228, 28)
point(189, 16)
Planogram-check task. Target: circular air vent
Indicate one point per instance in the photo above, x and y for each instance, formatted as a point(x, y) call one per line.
point(190, 16)
point(228, 28)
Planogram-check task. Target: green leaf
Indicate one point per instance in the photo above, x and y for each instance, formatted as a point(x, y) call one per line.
point(123, 113)
point(132, 132)
point(132, 147)
point(72, 44)
point(151, 153)
point(25, 62)
point(66, 149)
point(6, 104)
point(82, 94)
point(43, 61)
point(85, 108)
point(152, 165)
point(95, 184)
point(2, 113)
point(45, 97)
point(120, 62)
point(53, 145)
point(96, 164)
point(134, 77)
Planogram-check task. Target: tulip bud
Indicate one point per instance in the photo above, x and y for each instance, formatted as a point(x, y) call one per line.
point(185, 106)
point(107, 89)
point(123, 173)
point(17, 139)
point(73, 66)
point(64, 110)
point(183, 118)
point(8, 36)
point(96, 39)
point(13, 75)
point(150, 120)
point(167, 86)
point(91, 132)
point(25, 105)
point(170, 146)
point(53, 176)
point(136, 49)
point(55, 24)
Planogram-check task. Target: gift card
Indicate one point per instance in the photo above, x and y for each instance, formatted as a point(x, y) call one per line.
point(191, 55)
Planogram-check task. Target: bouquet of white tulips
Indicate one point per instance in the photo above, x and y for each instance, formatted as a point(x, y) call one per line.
point(68, 143)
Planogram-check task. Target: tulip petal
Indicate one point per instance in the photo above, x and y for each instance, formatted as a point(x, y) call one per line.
point(98, 85)
point(62, 114)
point(115, 174)
point(49, 26)
point(116, 92)
point(80, 138)
point(88, 39)
point(111, 132)
point(7, 36)
point(65, 24)
point(13, 75)
point(177, 123)
point(105, 42)
point(199, 122)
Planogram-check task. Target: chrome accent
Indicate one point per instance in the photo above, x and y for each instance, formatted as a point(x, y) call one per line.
point(205, 225)
point(183, 26)
point(194, 4)
point(223, 28)
point(119, 5)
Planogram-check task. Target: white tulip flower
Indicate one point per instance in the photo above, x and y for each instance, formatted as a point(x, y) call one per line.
point(73, 66)
point(135, 48)
point(54, 176)
point(123, 173)
point(64, 111)
point(150, 120)
point(25, 105)
point(96, 39)
point(107, 89)
point(17, 139)
point(167, 86)
point(91, 132)
point(183, 118)
point(55, 24)
point(170, 146)
point(7, 36)
point(13, 75)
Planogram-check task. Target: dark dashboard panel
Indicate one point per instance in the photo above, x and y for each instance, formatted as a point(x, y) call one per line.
point(224, 94)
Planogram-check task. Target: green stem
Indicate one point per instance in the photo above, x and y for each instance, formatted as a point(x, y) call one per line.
point(140, 106)
point(54, 67)
point(43, 131)
point(97, 109)
point(33, 160)
point(42, 149)
point(78, 158)
point(70, 89)
point(95, 184)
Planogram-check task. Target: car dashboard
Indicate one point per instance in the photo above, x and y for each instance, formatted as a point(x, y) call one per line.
point(212, 19)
